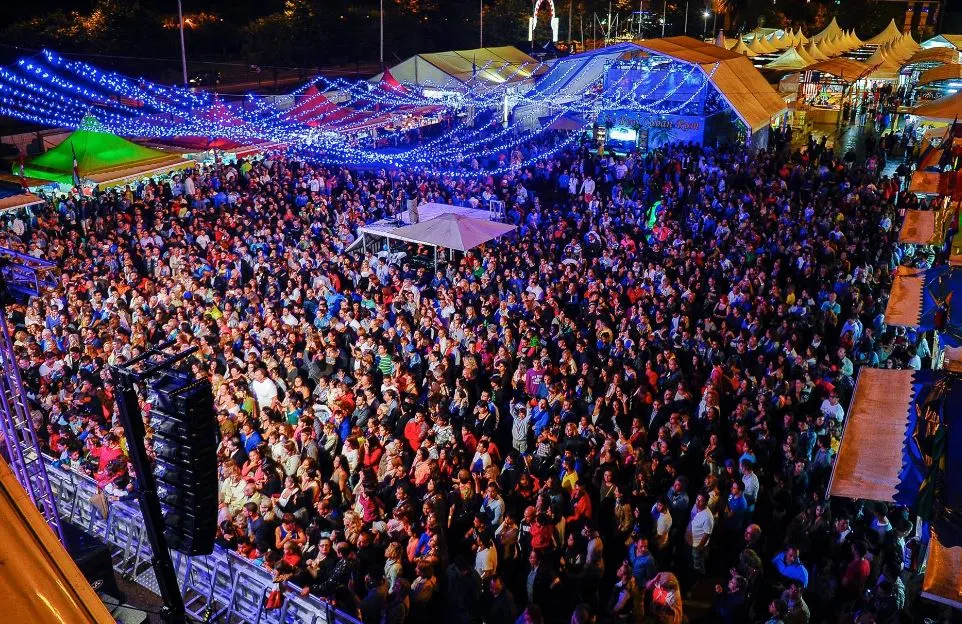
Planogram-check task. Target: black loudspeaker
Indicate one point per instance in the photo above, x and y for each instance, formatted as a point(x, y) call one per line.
point(184, 445)
point(93, 558)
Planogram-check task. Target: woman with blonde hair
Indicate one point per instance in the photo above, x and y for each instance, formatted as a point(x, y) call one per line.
point(666, 607)
point(393, 562)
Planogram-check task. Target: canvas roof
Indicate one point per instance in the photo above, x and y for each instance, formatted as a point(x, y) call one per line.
point(101, 157)
point(789, 59)
point(890, 33)
point(805, 55)
point(571, 75)
point(870, 454)
point(741, 48)
point(453, 231)
point(815, 52)
point(855, 40)
point(763, 44)
point(843, 68)
point(12, 199)
point(757, 48)
point(309, 106)
point(882, 56)
point(944, 109)
point(954, 41)
point(940, 73)
point(926, 227)
point(934, 56)
point(829, 31)
point(484, 66)
point(737, 80)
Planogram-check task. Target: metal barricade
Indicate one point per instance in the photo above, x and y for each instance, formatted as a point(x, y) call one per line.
point(299, 609)
point(220, 586)
point(124, 535)
point(249, 592)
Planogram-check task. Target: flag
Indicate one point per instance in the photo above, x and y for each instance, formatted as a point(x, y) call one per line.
point(76, 167)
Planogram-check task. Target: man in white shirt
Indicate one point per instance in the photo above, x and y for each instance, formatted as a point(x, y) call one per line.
point(832, 409)
point(486, 558)
point(662, 524)
point(264, 388)
point(699, 532)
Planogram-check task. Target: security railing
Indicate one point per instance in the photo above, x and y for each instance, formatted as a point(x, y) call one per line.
point(222, 586)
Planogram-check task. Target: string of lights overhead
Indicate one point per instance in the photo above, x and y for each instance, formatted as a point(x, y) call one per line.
point(354, 122)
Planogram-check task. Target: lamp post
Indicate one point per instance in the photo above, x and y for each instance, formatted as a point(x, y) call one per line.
point(704, 28)
point(183, 51)
point(686, 17)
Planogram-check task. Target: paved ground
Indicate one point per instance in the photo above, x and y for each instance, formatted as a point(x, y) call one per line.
point(141, 605)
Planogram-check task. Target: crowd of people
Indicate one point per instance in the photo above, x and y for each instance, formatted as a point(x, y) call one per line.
point(636, 396)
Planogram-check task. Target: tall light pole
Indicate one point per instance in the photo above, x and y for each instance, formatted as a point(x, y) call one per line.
point(183, 51)
point(641, 16)
point(664, 17)
point(704, 28)
point(686, 17)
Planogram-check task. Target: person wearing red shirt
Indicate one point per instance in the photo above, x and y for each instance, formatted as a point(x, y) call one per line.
point(415, 430)
point(109, 452)
point(856, 572)
point(580, 507)
point(542, 534)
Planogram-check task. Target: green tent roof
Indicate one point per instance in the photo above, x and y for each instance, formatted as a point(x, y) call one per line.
point(98, 153)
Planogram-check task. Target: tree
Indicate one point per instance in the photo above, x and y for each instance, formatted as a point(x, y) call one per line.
point(271, 41)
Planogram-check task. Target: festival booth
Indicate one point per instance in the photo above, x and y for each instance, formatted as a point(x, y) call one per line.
point(15, 198)
point(902, 442)
point(435, 226)
point(825, 86)
point(935, 118)
point(682, 89)
point(938, 82)
point(902, 445)
point(941, 111)
point(91, 158)
point(926, 227)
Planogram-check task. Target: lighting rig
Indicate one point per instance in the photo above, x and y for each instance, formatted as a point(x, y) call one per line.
point(23, 276)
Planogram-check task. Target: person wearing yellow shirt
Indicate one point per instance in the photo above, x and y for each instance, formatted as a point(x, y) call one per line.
point(568, 475)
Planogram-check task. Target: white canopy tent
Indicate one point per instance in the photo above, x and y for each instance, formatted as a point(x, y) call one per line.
point(455, 228)
point(452, 231)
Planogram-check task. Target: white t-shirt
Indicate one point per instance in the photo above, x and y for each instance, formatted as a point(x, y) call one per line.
point(700, 527)
point(265, 391)
point(662, 528)
point(835, 412)
point(486, 561)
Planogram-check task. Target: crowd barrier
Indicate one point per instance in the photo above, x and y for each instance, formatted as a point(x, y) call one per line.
point(221, 587)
